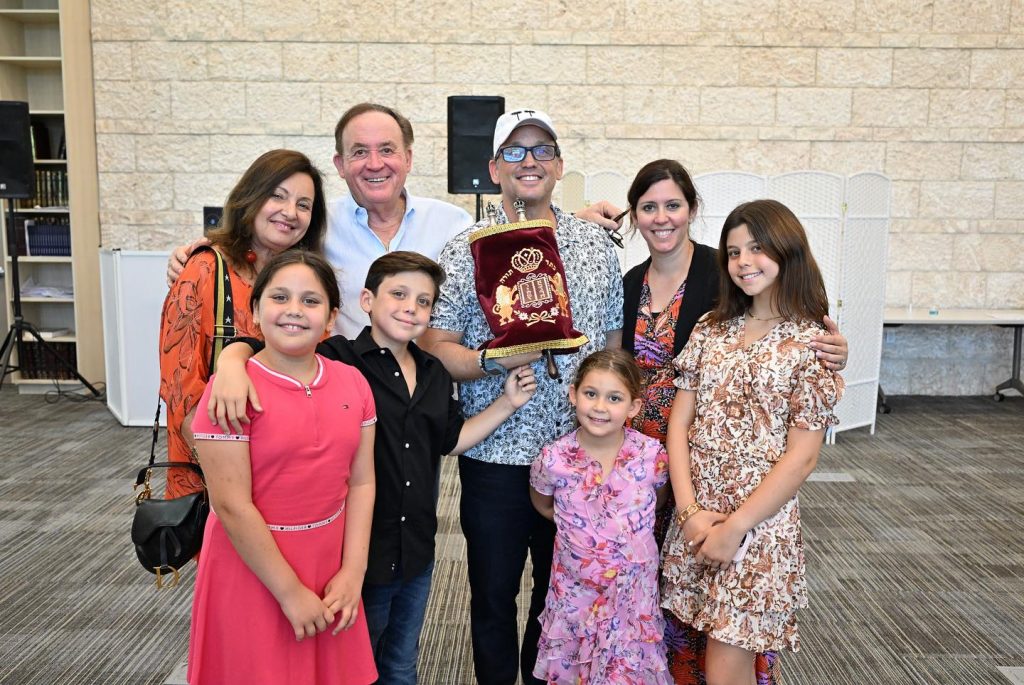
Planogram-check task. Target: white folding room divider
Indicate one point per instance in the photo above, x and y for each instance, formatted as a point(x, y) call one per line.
point(847, 223)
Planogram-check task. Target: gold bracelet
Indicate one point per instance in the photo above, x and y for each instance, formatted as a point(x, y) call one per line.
point(684, 515)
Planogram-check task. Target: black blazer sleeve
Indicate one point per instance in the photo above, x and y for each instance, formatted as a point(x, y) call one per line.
point(700, 298)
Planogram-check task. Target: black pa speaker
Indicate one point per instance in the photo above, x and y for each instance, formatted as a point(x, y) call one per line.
point(211, 218)
point(471, 120)
point(16, 173)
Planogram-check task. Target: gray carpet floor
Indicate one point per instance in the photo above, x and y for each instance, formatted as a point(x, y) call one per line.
point(915, 554)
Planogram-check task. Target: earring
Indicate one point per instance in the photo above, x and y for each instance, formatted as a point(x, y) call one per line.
point(250, 256)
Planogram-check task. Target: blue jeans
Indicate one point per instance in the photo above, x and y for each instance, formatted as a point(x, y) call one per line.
point(501, 526)
point(394, 617)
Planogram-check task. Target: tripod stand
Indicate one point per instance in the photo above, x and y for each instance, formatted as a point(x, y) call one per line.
point(19, 327)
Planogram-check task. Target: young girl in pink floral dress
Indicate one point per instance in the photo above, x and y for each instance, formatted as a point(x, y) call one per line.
point(744, 433)
point(601, 623)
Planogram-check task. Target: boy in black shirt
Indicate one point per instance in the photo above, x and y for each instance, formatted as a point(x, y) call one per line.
point(418, 420)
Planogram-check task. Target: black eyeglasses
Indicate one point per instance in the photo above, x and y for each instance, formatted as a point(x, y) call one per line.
point(544, 152)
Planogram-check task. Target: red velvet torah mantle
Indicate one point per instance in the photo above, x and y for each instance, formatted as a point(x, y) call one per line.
point(520, 282)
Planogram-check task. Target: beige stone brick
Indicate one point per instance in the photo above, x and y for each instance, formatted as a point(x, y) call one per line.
point(625, 65)
point(335, 98)
point(893, 107)
point(587, 104)
point(172, 153)
point(277, 20)
point(931, 68)
point(994, 161)
point(731, 106)
point(274, 102)
point(435, 15)
point(997, 69)
point(125, 19)
point(199, 190)
point(549, 64)
point(772, 157)
point(701, 156)
point(1009, 202)
point(208, 100)
point(887, 16)
point(245, 61)
point(473, 63)
point(968, 249)
point(661, 105)
point(734, 15)
point(920, 252)
point(319, 149)
point(906, 196)
point(1017, 16)
point(966, 108)
point(897, 288)
point(397, 62)
point(330, 62)
point(777, 66)
point(623, 156)
point(135, 191)
point(1015, 108)
point(115, 152)
point(1005, 291)
point(995, 253)
point(814, 106)
point(527, 14)
point(933, 161)
point(656, 15)
point(956, 16)
point(817, 15)
point(234, 153)
point(947, 289)
point(698, 66)
point(577, 16)
point(112, 61)
point(956, 199)
point(177, 61)
point(205, 21)
point(939, 40)
point(854, 67)
point(423, 102)
point(132, 100)
point(847, 157)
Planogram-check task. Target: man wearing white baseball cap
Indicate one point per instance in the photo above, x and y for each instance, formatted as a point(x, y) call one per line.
point(499, 522)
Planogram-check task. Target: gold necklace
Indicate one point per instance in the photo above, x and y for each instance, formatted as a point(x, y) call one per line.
point(758, 318)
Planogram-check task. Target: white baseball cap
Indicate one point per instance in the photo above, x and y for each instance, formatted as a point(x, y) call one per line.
point(510, 121)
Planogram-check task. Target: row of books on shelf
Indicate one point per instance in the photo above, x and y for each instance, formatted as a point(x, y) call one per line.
point(36, 362)
point(50, 237)
point(51, 189)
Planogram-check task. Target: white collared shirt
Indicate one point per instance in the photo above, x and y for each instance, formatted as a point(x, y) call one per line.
point(351, 246)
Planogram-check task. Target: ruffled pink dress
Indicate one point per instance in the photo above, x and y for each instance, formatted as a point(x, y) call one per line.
point(601, 622)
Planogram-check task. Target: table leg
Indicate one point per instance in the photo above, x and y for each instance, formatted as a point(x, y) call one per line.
point(1014, 382)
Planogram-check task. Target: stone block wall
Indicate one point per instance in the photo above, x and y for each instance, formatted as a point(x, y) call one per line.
point(931, 94)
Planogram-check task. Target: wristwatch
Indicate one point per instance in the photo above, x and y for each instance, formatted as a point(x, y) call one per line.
point(490, 366)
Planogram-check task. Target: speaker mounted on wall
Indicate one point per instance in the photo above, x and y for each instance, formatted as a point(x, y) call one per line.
point(17, 178)
point(471, 120)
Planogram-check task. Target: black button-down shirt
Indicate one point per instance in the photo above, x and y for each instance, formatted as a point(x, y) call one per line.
point(412, 434)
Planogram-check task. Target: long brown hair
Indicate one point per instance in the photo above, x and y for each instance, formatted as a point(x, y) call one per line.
point(617, 361)
point(246, 199)
point(799, 294)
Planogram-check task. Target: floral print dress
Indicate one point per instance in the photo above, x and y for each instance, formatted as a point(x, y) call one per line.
point(747, 399)
point(601, 622)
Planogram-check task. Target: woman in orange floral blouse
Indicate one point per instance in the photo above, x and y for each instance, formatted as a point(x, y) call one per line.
point(276, 205)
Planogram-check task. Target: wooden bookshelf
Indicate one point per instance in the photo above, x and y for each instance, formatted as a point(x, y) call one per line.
point(46, 60)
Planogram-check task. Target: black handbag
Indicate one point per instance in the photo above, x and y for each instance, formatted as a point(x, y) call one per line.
point(167, 533)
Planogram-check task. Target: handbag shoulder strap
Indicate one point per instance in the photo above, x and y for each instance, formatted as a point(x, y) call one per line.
point(223, 310)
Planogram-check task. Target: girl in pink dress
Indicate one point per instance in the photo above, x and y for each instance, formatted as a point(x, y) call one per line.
point(744, 433)
point(278, 587)
point(601, 623)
